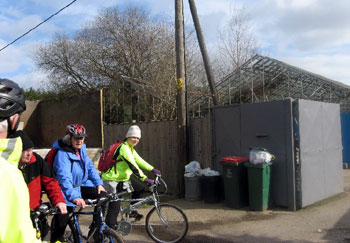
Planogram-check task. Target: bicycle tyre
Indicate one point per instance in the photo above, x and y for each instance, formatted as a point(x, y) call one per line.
point(177, 226)
point(110, 235)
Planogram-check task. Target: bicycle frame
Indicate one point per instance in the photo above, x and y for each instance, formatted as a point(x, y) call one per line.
point(74, 218)
point(154, 198)
point(163, 218)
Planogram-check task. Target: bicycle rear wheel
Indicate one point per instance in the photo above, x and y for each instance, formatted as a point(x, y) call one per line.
point(110, 235)
point(168, 223)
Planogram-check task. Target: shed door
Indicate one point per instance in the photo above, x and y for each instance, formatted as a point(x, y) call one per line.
point(269, 125)
point(226, 133)
point(320, 151)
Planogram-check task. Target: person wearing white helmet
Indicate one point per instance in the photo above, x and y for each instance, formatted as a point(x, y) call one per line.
point(118, 178)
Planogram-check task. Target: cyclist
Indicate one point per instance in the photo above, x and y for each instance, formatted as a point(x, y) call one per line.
point(73, 167)
point(39, 176)
point(15, 222)
point(119, 179)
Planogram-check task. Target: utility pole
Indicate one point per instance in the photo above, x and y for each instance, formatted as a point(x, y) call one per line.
point(181, 87)
point(204, 52)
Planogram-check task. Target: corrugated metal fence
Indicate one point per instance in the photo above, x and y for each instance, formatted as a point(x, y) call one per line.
point(158, 145)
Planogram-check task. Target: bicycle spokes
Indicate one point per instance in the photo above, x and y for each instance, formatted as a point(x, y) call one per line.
point(161, 217)
point(166, 223)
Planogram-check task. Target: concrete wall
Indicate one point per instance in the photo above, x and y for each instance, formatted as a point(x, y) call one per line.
point(46, 121)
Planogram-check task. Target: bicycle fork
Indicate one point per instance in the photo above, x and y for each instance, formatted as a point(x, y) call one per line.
point(164, 221)
point(38, 233)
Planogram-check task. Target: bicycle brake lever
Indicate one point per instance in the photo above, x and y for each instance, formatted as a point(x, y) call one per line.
point(89, 201)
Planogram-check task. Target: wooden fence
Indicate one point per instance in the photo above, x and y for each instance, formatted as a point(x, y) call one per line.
point(158, 146)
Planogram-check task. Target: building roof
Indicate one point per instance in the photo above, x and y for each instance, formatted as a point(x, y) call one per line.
point(263, 78)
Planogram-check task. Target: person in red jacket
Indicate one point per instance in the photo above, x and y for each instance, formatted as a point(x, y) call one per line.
point(39, 177)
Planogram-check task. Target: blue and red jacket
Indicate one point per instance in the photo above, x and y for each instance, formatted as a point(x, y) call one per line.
point(39, 177)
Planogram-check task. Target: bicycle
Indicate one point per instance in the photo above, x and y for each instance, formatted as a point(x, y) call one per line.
point(164, 222)
point(39, 215)
point(105, 234)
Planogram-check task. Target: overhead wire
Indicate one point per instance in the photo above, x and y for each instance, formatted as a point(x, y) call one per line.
point(26, 33)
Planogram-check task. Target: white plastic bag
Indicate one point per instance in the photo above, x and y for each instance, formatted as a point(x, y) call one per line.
point(192, 169)
point(192, 166)
point(209, 172)
point(259, 156)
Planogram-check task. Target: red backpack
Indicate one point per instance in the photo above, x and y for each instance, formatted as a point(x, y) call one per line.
point(50, 156)
point(108, 157)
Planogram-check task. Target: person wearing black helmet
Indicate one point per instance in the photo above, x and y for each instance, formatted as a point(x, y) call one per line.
point(15, 222)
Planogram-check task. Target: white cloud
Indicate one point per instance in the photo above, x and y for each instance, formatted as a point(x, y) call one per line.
point(310, 34)
point(34, 79)
point(10, 60)
point(334, 67)
point(295, 3)
point(307, 27)
point(17, 58)
point(13, 29)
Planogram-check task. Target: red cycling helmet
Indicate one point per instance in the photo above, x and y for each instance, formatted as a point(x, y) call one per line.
point(76, 130)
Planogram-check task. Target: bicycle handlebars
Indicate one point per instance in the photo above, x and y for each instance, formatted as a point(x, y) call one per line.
point(44, 209)
point(158, 181)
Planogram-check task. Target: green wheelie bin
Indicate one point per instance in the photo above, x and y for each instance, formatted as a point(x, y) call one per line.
point(259, 185)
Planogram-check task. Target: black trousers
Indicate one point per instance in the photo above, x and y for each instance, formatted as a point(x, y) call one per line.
point(114, 207)
point(60, 221)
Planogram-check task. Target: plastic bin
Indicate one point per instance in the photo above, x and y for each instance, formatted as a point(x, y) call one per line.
point(193, 188)
point(235, 181)
point(259, 185)
point(211, 188)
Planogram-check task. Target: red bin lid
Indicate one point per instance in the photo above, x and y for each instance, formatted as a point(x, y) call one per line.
point(234, 159)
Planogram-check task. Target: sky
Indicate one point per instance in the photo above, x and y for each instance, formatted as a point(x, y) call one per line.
point(310, 34)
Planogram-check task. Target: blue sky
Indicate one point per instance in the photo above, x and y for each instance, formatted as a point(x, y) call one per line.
point(310, 34)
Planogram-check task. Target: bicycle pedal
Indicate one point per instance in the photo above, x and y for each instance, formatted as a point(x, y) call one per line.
point(136, 216)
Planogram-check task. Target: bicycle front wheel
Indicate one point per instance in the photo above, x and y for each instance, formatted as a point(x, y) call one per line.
point(110, 235)
point(166, 223)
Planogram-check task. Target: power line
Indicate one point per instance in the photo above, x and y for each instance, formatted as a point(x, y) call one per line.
point(38, 25)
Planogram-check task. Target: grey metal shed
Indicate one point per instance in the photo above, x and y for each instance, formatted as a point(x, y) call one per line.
point(304, 136)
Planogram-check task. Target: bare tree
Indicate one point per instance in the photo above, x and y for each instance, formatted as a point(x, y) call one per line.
point(128, 52)
point(237, 43)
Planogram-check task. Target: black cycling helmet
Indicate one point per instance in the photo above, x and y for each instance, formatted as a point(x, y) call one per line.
point(12, 99)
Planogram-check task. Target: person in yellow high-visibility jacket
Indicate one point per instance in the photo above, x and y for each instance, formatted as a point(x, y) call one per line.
point(15, 223)
point(118, 178)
